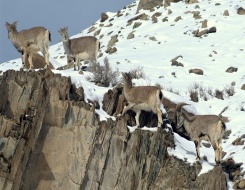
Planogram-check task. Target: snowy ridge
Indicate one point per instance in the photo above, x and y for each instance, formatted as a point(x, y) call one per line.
point(213, 53)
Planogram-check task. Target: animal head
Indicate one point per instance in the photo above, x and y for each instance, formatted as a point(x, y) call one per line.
point(127, 76)
point(11, 28)
point(64, 33)
point(179, 117)
point(172, 115)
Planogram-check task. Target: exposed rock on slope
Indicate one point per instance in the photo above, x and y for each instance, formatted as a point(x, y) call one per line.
point(149, 4)
point(52, 139)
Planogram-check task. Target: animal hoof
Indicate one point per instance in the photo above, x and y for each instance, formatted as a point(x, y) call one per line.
point(198, 160)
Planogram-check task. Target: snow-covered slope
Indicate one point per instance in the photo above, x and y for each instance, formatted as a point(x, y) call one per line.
point(155, 44)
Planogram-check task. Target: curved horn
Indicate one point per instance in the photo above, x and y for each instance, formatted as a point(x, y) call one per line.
point(180, 105)
point(172, 110)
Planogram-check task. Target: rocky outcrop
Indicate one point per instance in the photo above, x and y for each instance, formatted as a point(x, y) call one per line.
point(231, 70)
point(51, 139)
point(104, 17)
point(110, 49)
point(243, 87)
point(241, 11)
point(196, 71)
point(149, 4)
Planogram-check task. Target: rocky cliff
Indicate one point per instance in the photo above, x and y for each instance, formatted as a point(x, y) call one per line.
point(50, 138)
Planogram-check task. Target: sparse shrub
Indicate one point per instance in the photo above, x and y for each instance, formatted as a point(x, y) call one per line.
point(203, 93)
point(159, 86)
point(230, 90)
point(198, 91)
point(103, 75)
point(137, 73)
point(193, 95)
point(219, 94)
point(242, 108)
point(172, 90)
point(210, 91)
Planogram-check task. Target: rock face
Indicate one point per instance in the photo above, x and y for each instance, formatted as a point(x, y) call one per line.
point(241, 11)
point(104, 17)
point(51, 139)
point(196, 71)
point(149, 4)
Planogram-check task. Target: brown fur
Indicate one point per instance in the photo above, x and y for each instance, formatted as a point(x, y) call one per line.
point(82, 48)
point(199, 127)
point(29, 42)
point(139, 98)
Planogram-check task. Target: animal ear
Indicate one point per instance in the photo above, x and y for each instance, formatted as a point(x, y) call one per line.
point(15, 23)
point(7, 24)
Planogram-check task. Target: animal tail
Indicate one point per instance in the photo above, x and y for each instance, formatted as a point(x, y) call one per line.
point(225, 108)
point(223, 125)
point(99, 45)
point(49, 36)
point(160, 95)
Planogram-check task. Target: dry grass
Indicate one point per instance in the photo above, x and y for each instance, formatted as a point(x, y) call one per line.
point(198, 91)
point(138, 73)
point(103, 75)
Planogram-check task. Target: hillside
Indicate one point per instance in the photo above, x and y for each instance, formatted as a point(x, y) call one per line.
point(149, 40)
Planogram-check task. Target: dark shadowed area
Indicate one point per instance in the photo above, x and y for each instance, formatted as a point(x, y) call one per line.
point(75, 14)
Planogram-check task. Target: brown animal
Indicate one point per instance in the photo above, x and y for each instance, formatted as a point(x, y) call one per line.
point(30, 41)
point(139, 98)
point(200, 127)
point(82, 48)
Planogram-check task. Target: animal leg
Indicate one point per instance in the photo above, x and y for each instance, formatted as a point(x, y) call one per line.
point(137, 117)
point(197, 144)
point(220, 152)
point(47, 60)
point(126, 108)
point(30, 62)
point(23, 57)
point(220, 148)
point(46, 56)
point(78, 62)
point(75, 63)
point(217, 155)
point(216, 151)
point(159, 116)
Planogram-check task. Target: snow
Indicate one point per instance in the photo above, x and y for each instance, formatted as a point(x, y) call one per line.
point(212, 53)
